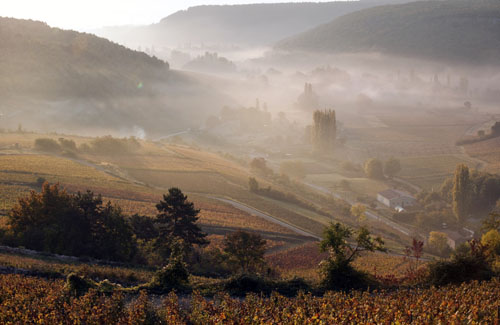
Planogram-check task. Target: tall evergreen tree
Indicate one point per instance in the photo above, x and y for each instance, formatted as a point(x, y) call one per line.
point(461, 191)
point(177, 219)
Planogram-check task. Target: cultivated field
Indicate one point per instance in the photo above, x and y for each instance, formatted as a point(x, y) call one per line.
point(488, 151)
point(429, 172)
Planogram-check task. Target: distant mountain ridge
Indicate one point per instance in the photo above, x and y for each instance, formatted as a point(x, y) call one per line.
point(57, 78)
point(455, 30)
point(250, 24)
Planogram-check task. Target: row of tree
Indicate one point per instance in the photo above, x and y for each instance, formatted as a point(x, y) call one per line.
point(376, 169)
point(324, 131)
point(82, 225)
point(471, 193)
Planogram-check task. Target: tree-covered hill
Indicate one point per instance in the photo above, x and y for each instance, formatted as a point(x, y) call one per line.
point(44, 61)
point(451, 30)
point(250, 24)
point(54, 79)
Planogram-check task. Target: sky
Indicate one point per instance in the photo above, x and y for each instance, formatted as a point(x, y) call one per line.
point(89, 14)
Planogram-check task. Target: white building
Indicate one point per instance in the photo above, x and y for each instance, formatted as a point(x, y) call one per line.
point(395, 199)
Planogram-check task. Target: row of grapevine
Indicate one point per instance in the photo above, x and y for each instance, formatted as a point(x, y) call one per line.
point(25, 300)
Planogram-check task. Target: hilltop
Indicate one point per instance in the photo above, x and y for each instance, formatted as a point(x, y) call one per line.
point(86, 81)
point(250, 24)
point(463, 31)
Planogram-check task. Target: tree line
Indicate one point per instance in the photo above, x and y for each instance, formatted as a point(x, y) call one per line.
point(82, 225)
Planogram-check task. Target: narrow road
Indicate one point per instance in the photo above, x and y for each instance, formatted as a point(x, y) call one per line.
point(250, 210)
point(369, 214)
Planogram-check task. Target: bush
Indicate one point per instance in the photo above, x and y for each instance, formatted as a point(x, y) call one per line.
point(47, 145)
point(67, 145)
point(468, 263)
point(259, 166)
point(112, 146)
point(76, 285)
point(172, 276)
point(374, 169)
point(242, 284)
point(344, 278)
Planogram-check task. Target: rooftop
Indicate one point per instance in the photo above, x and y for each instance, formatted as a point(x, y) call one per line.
point(392, 194)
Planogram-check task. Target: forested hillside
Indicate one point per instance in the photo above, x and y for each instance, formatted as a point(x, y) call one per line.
point(466, 31)
point(63, 78)
point(46, 62)
point(252, 24)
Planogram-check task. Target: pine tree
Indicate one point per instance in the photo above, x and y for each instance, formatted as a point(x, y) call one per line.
point(177, 218)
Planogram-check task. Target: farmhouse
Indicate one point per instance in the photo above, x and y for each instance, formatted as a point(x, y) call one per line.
point(396, 199)
point(455, 238)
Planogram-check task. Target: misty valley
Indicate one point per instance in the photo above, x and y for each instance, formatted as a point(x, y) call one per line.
point(274, 163)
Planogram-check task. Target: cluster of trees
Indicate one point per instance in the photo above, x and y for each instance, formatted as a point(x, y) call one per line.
point(106, 145)
point(254, 118)
point(376, 169)
point(82, 225)
point(473, 260)
point(211, 62)
point(471, 192)
point(70, 224)
point(324, 131)
point(259, 166)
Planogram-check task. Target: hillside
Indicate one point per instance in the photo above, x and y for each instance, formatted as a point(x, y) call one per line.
point(87, 81)
point(252, 24)
point(465, 31)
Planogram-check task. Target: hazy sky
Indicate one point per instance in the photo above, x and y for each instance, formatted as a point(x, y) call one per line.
point(88, 14)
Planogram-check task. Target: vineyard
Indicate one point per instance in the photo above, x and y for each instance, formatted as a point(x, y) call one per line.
point(488, 151)
point(137, 181)
point(26, 300)
point(430, 171)
point(303, 262)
